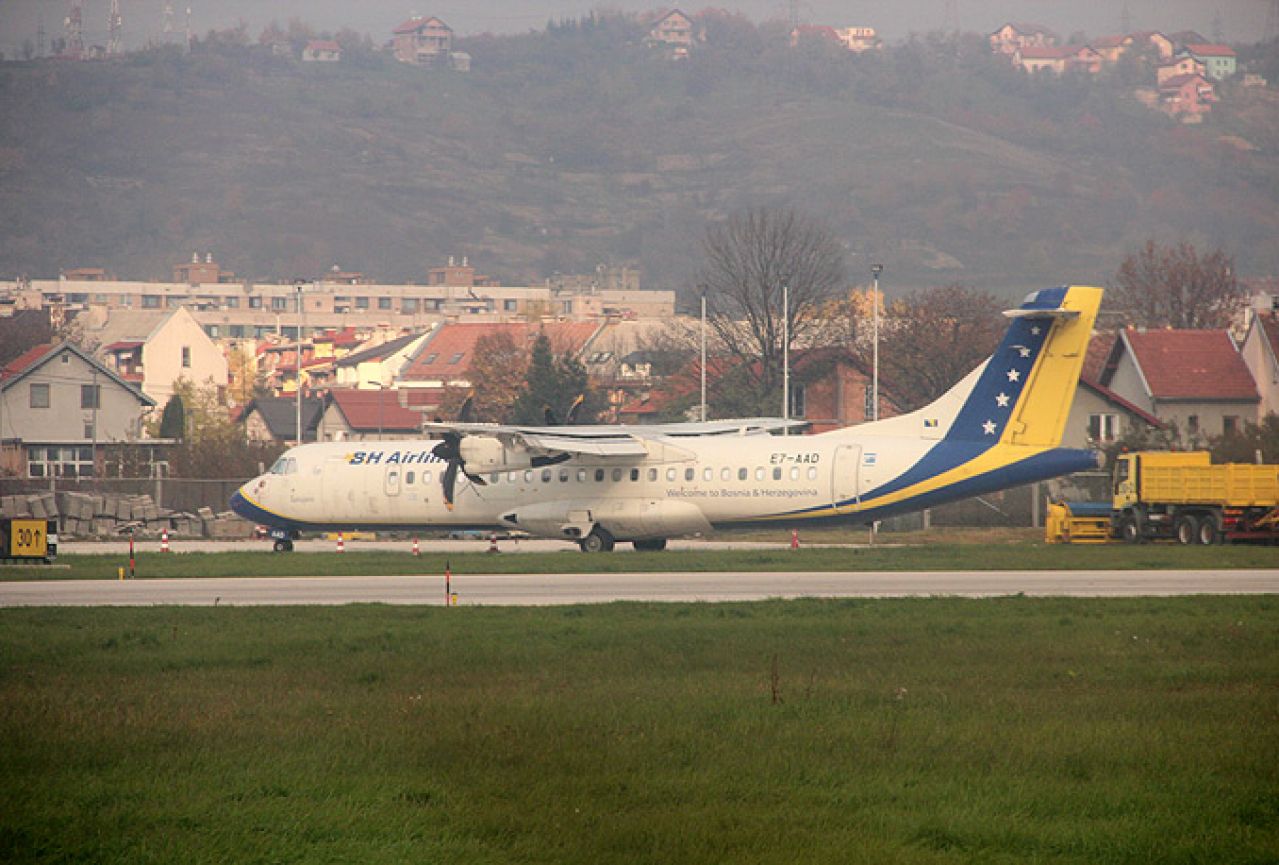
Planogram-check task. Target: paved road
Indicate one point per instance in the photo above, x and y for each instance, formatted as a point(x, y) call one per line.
point(550, 589)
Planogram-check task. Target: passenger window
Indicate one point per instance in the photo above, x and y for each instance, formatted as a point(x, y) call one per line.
point(725, 473)
point(563, 476)
point(512, 477)
point(392, 477)
point(812, 473)
point(528, 476)
point(708, 474)
point(546, 476)
point(794, 473)
point(759, 473)
point(634, 474)
point(670, 474)
point(409, 476)
point(599, 475)
point(652, 474)
point(581, 476)
point(617, 475)
point(777, 473)
point(426, 477)
point(741, 474)
point(495, 477)
point(688, 474)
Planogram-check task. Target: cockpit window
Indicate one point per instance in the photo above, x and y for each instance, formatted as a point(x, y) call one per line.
point(285, 466)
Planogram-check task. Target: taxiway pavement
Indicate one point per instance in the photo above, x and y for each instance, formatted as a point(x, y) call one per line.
point(553, 589)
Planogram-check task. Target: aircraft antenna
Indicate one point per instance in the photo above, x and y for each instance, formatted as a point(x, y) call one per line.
point(115, 30)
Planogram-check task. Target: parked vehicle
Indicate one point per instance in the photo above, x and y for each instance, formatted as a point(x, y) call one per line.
point(1182, 496)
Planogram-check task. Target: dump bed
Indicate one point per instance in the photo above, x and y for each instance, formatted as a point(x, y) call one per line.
point(1232, 485)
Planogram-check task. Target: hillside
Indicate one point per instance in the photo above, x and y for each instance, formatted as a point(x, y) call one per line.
point(578, 145)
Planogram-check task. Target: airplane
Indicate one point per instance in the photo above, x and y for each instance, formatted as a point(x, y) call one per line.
point(597, 485)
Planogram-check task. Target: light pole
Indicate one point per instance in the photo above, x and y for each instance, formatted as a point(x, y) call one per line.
point(876, 270)
point(298, 390)
point(703, 409)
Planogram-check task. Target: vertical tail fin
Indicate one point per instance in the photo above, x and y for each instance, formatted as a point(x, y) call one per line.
point(1022, 394)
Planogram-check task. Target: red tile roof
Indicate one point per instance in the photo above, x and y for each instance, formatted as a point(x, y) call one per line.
point(323, 45)
point(371, 410)
point(413, 25)
point(24, 361)
point(1211, 50)
point(1179, 81)
point(435, 359)
point(1099, 349)
point(1191, 365)
point(1109, 41)
point(123, 345)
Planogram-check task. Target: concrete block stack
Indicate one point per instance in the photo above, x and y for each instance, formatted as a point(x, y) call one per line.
point(108, 515)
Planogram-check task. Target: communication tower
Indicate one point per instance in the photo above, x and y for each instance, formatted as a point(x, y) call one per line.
point(167, 29)
point(74, 26)
point(115, 29)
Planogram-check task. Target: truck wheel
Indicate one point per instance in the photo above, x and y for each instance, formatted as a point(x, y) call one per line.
point(1208, 533)
point(598, 541)
point(1129, 531)
point(1187, 530)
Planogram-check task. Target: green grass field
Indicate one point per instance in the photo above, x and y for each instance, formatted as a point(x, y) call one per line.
point(899, 731)
point(924, 557)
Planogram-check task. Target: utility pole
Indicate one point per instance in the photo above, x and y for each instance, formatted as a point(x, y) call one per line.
point(785, 355)
point(298, 390)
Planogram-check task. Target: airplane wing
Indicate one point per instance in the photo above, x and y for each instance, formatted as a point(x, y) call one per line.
point(603, 439)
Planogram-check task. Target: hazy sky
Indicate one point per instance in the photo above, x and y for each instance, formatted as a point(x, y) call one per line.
point(1240, 20)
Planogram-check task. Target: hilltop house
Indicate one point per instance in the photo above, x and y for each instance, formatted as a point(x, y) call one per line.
point(1058, 59)
point(1184, 65)
point(1187, 97)
point(423, 41)
point(675, 32)
point(1219, 60)
point(322, 51)
point(1008, 38)
point(58, 405)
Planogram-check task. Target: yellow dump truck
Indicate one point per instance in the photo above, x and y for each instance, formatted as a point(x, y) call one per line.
point(1178, 496)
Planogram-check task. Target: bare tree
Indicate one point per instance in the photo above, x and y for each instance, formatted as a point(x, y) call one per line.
point(1174, 286)
point(934, 337)
point(750, 259)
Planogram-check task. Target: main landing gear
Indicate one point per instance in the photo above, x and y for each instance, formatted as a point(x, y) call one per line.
point(283, 545)
point(598, 541)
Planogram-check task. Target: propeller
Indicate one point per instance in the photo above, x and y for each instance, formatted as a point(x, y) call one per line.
point(450, 451)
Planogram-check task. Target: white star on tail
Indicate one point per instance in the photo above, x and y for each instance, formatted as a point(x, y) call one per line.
point(1002, 400)
point(989, 427)
point(1013, 375)
point(1023, 351)
point(1034, 331)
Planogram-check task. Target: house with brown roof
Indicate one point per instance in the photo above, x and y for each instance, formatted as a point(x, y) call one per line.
point(1185, 65)
point(322, 51)
point(275, 419)
point(1220, 61)
point(425, 41)
point(59, 406)
point(1195, 379)
point(676, 32)
point(1057, 59)
point(1111, 48)
point(367, 415)
point(1260, 352)
point(1011, 36)
point(1187, 97)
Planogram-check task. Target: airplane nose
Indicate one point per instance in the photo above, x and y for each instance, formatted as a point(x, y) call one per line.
point(239, 505)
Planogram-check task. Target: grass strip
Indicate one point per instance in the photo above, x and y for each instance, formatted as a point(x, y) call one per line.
point(887, 731)
point(943, 557)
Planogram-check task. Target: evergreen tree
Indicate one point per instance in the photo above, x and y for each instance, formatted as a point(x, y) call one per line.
point(554, 383)
point(173, 422)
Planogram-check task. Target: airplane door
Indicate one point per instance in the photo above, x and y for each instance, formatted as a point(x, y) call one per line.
point(392, 484)
point(844, 468)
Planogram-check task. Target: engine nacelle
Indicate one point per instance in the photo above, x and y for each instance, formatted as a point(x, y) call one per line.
point(488, 454)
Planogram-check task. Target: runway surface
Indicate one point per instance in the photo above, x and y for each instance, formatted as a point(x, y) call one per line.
point(552, 589)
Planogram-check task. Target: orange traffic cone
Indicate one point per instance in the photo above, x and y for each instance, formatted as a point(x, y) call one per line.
point(417, 551)
point(164, 540)
point(341, 544)
point(794, 539)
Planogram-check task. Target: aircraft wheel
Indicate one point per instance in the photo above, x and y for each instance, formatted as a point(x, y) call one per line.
point(1208, 533)
point(598, 541)
point(283, 546)
point(650, 545)
point(1187, 529)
